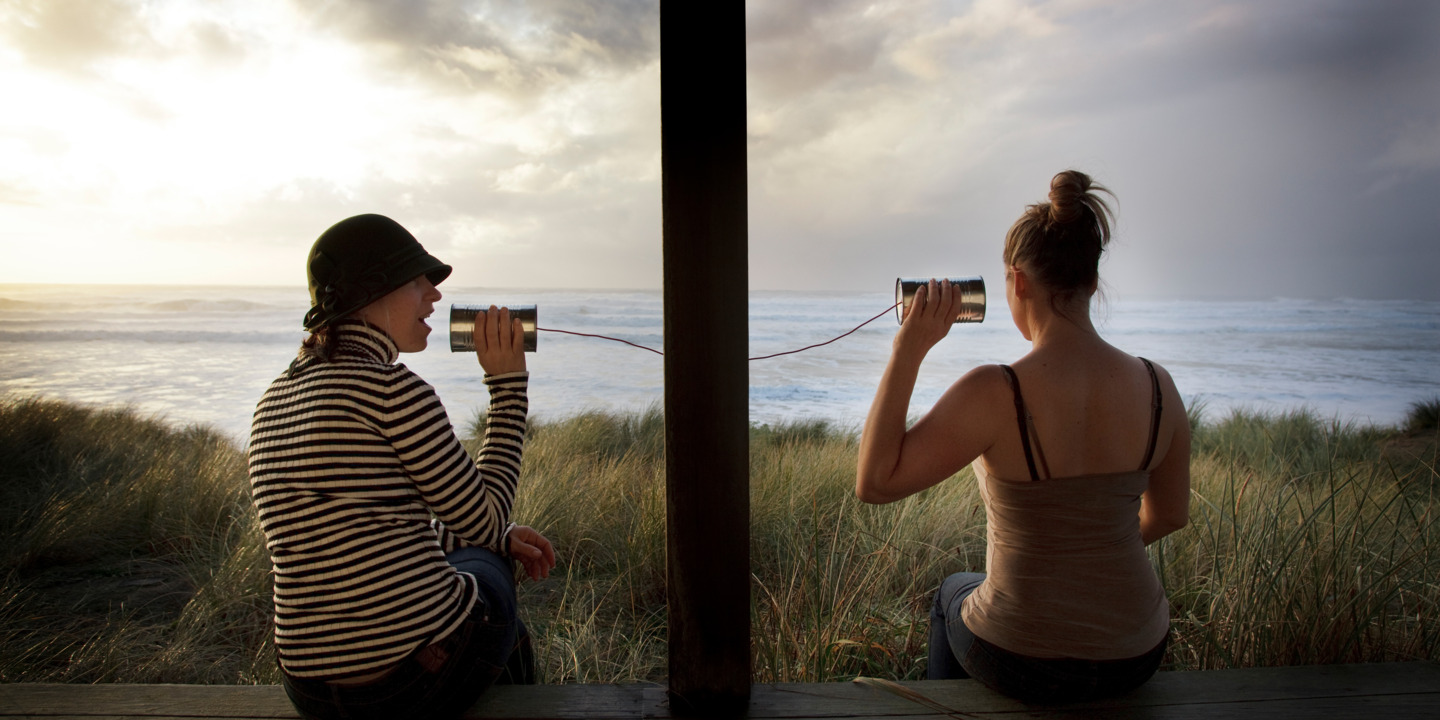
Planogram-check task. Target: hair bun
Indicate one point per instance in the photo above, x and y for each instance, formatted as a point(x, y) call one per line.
point(1068, 190)
point(1060, 241)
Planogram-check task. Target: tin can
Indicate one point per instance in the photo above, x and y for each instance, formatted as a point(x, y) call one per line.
point(462, 325)
point(972, 297)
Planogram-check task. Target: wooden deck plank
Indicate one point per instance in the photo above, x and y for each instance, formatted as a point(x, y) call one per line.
point(571, 701)
point(1171, 688)
point(144, 701)
point(1364, 692)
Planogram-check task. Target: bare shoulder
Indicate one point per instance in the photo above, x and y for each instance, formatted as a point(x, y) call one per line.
point(1160, 372)
point(974, 397)
point(984, 383)
point(1175, 420)
point(961, 425)
point(981, 375)
point(1167, 383)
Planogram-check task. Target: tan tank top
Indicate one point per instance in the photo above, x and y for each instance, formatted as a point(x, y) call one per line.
point(1066, 569)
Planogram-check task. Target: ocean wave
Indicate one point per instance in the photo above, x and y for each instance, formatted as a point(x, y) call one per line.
point(181, 336)
point(120, 306)
point(228, 305)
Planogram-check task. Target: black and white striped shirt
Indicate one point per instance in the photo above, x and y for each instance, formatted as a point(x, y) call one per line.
point(361, 488)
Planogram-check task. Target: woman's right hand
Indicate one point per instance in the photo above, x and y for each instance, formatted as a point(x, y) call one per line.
point(499, 341)
point(533, 551)
point(931, 314)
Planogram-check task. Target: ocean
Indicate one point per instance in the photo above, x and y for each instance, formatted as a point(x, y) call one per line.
point(205, 354)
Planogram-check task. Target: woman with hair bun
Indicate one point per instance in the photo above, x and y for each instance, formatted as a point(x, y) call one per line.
point(1082, 455)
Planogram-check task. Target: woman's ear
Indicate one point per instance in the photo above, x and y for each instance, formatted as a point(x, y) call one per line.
point(1021, 281)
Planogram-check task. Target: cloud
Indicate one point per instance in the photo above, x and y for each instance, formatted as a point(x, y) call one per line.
point(1336, 38)
point(797, 48)
point(70, 36)
point(603, 234)
point(1415, 148)
point(986, 30)
point(15, 193)
point(84, 38)
point(519, 49)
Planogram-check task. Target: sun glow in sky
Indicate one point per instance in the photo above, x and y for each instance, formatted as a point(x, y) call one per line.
point(1285, 148)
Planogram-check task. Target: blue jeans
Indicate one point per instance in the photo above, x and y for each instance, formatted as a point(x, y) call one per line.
point(956, 652)
point(447, 677)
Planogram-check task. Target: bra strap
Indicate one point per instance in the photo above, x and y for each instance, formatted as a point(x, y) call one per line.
point(1155, 409)
point(1020, 420)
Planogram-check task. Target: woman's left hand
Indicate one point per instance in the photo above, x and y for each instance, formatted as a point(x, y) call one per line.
point(532, 550)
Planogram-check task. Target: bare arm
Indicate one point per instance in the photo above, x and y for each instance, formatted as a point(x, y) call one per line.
point(1165, 506)
point(883, 438)
point(895, 462)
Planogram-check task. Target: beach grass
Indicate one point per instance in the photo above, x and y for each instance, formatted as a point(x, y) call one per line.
point(1423, 415)
point(129, 550)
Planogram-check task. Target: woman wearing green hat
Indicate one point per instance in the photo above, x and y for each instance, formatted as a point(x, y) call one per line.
point(392, 550)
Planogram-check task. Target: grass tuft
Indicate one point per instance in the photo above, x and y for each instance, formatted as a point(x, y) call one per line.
point(1423, 416)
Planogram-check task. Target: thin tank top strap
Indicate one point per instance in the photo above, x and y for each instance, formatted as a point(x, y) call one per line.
point(1155, 409)
point(1020, 416)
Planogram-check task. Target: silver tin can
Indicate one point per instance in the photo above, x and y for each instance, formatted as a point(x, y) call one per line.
point(462, 325)
point(972, 297)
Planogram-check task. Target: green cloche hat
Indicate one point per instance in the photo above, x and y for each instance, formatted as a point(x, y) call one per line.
point(360, 260)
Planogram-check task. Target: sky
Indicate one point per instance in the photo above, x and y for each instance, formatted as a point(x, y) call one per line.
point(1285, 148)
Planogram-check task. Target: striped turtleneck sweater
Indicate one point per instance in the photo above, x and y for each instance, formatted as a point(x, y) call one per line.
point(361, 488)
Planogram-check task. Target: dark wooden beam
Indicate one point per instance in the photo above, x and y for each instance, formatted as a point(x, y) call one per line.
point(707, 477)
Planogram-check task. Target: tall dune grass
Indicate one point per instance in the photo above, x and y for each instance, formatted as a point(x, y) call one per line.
point(129, 550)
point(1309, 542)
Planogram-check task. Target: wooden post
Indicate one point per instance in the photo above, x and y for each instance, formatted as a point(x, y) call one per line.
point(707, 474)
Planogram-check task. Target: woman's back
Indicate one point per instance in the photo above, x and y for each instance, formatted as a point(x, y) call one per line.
point(1090, 409)
point(1068, 575)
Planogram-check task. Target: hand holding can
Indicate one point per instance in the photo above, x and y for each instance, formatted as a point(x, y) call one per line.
point(462, 324)
point(971, 291)
point(496, 335)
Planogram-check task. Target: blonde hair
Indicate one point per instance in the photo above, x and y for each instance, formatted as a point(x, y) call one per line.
point(1060, 242)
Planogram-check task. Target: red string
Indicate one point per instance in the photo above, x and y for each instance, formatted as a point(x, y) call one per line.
point(831, 340)
point(602, 337)
point(762, 357)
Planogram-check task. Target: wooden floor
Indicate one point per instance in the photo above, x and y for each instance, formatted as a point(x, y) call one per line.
point(1371, 692)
